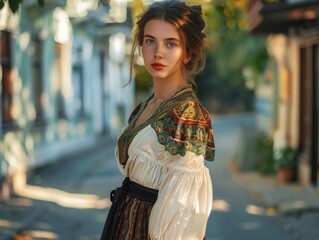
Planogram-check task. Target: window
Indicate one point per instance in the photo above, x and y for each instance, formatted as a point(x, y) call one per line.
point(38, 79)
point(60, 105)
point(78, 80)
point(7, 79)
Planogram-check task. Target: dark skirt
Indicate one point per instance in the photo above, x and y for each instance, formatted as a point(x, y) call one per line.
point(128, 217)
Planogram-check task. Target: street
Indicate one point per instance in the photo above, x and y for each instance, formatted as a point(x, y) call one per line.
point(236, 214)
point(69, 200)
point(72, 71)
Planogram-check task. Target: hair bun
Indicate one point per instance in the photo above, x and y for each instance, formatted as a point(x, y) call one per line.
point(196, 16)
point(197, 9)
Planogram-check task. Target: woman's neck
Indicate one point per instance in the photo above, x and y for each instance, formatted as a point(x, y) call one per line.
point(163, 90)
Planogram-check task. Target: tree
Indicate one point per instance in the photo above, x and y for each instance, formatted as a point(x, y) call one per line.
point(230, 50)
point(14, 4)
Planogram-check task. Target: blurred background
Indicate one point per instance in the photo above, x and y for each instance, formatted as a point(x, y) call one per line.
point(64, 100)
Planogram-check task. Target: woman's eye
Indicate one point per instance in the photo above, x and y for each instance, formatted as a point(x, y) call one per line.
point(149, 41)
point(171, 45)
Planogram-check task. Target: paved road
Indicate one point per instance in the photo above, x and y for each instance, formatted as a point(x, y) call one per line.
point(74, 196)
point(237, 214)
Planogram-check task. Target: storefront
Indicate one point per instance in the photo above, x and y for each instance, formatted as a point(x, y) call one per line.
point(293, 38)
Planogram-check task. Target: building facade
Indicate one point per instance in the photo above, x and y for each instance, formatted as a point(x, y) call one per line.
point(63, 71)
point(292, 76)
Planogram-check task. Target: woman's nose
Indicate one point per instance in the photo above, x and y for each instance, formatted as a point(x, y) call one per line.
point(158, 52)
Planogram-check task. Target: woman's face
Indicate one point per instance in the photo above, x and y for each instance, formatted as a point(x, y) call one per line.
point(162, 51)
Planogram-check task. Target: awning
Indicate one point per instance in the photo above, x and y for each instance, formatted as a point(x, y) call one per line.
point(280, 17)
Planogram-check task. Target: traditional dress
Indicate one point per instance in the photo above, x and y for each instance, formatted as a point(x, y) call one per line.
point(165, 154)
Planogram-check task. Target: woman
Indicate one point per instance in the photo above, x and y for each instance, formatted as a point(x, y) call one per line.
point(167, 193)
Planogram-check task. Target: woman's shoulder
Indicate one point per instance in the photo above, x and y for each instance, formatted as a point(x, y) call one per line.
point(191, 110)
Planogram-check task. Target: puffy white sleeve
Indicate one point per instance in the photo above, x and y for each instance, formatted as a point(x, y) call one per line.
point(184, 202)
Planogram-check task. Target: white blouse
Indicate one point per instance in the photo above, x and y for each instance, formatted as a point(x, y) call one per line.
point(184, 183)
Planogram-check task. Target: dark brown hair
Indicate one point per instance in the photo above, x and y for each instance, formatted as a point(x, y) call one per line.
point(188, 22)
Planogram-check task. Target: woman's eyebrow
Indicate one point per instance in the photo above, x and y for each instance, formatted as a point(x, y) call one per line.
point(167, 39)
point(150, 36)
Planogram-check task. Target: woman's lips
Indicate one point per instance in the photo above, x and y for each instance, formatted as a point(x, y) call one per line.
point(158, 66)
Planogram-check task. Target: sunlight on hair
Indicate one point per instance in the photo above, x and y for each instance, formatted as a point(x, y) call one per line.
point(221, 206)
point(65, 199)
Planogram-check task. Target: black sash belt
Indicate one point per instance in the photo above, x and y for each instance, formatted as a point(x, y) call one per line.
point(142, 193)
point(117, 197)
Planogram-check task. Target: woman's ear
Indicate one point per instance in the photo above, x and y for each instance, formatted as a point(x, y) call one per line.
point(187, 58)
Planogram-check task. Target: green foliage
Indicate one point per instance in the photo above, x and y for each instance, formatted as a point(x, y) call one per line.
point(269, 160)
point(231, 49)
point(264, 148)
point(41, 3)
point(271, 1)
point(15, 4)
point(285, 158)
point(143, 79)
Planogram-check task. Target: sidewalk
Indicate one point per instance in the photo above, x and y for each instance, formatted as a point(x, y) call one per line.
point(297, 205)
point(20, 213)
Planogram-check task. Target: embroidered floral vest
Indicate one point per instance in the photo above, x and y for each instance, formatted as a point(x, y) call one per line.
point(181, 125)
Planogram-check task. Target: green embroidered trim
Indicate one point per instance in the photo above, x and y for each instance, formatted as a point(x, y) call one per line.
point(186, 128)
point(181, 124)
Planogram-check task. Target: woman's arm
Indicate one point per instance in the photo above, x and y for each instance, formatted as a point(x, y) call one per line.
point(184, 202)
